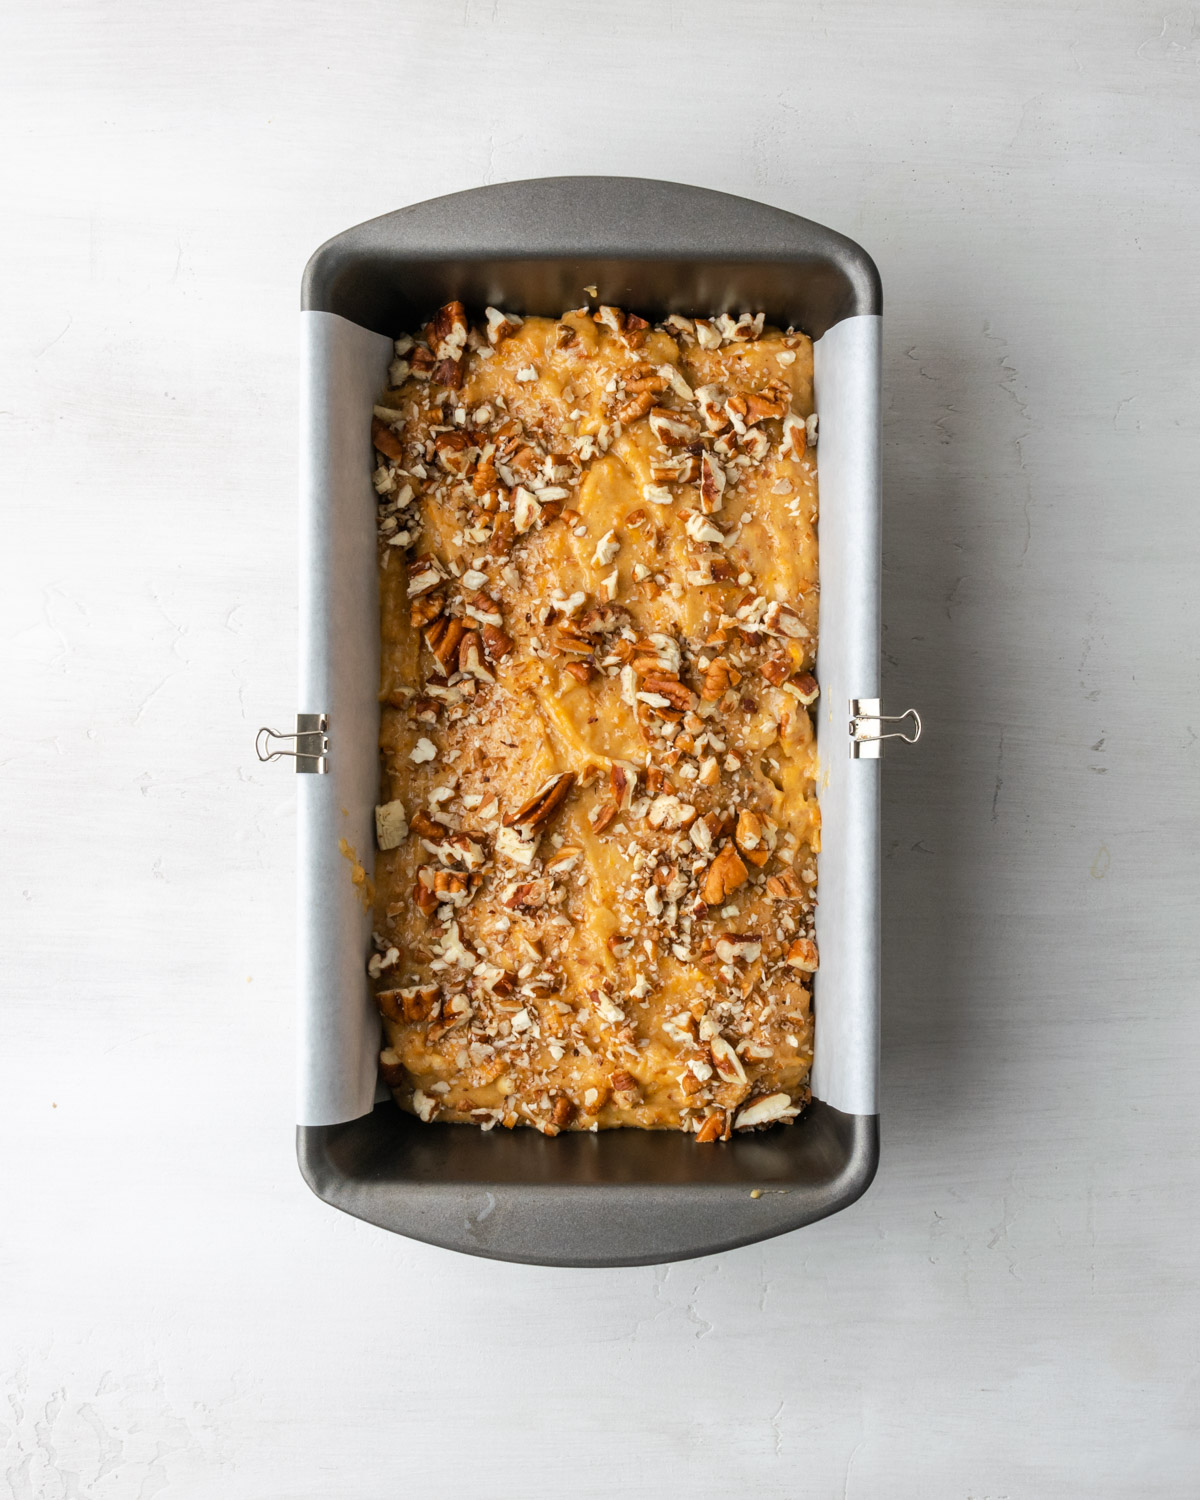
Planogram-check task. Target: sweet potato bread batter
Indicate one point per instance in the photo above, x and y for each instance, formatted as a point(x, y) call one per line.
point(598, 578)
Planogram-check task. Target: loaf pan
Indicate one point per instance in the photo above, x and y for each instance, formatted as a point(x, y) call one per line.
point(619, 1197)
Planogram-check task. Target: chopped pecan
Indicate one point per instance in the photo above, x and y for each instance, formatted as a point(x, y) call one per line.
point(636, 406)
point(443, 637)
point(485, 477)
point(712, 484)
point(563, 1111)
point(542, 806)
point(623, 779)
point(389, 1005)
point(448, 331)
point(501, 326)
point(802, 955)
point(391, 1069)
point(385, 439)
point(528, 896)
point(713, 1129)
point(425, 827)
point(795, 436)
point(565, 335)
point(719, 676)
point(580, 670)
point(470, 657)
point(725, 875)
point(776, 670)
point(625, 1089)
point(804, 686)
point(502, 537)
point(602, 816)
point(424, 895)
point(646, 378)
point(449, 372)
point(422, 362)
point(453, 451)
point(784, 885)
point(749, 837)
point(673, 429)
point(677, 693)
point(769, 403)
point(496, 642)
point(425, 608)
point(419, 1002)
point(634, 331)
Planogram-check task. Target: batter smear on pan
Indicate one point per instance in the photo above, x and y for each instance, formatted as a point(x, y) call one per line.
point(598, 577)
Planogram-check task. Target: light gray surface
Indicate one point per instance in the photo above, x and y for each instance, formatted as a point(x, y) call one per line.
point(1012, 1310)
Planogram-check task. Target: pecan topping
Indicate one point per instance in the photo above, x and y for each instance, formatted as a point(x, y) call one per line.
point(386, 440)
point(725, 875)
point(776, 670)
point(802, 955)
point(443, 637)
point(542, 806)
point(453, 451)
point(720, 676)
point(496, 642)
point(625, 1089)
point(636, 406)
point(425, 608)
point(391, 1069)
point(804, 686)
point(713, 1129)
point(603, 816)
point(749, 837)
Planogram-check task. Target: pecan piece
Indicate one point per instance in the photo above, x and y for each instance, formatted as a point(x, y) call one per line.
point(776, 670)
point(712, 484)
point(542, 806)
point(385, 439)
point(625, 1089)
point(502, 537)
point(636, 406)
point(448, 372)
point(677, 693)
point(713, 1129)
point(580, 670)
point(425, 827)
point(453, 451)
point(802, 955)
point(563, 1111)
point(602, 816)
point(391, 1069)
point(423, 894)
point(496, 643)
point(443, 637)
point(784, 886)
point(419, 1002)
point(425, 609)
point(720, 676)
point(749, 837)
point(725, 875)
point(804, 686)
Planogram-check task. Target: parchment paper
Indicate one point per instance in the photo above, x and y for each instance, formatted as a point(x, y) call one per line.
point(343, 368)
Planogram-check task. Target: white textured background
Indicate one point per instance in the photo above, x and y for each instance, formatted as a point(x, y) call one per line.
point(1012, 1311)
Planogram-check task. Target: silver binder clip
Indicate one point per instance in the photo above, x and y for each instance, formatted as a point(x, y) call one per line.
point(311, 752)
point(866, 728)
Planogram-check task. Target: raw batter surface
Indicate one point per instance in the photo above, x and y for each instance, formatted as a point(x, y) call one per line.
point(598, 578)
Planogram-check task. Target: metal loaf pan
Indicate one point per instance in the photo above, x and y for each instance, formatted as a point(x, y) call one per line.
point(622, 1197)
